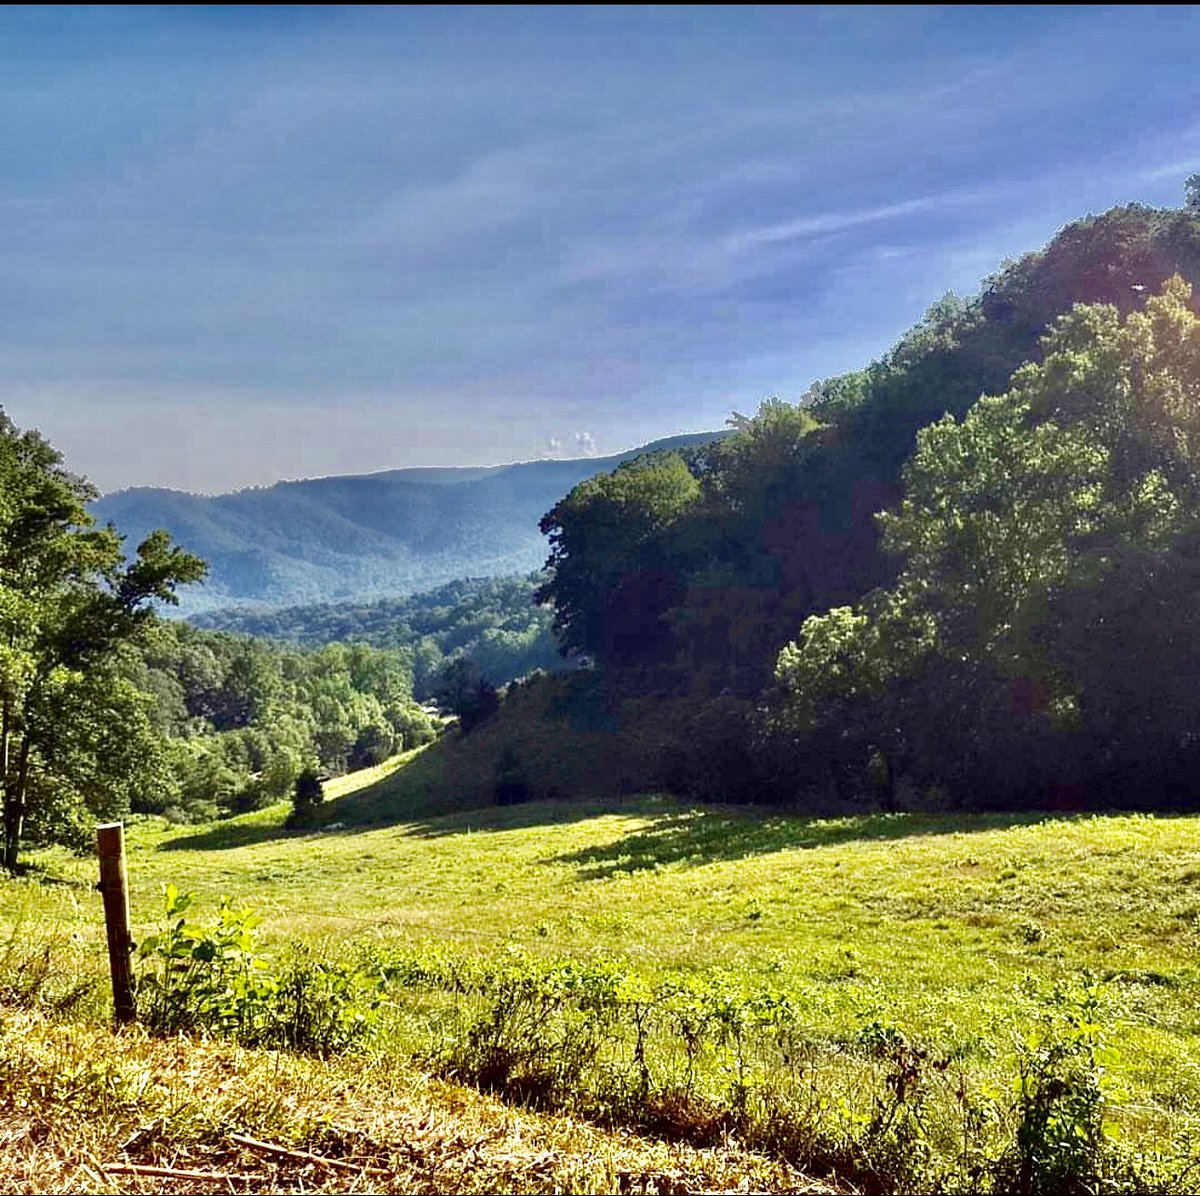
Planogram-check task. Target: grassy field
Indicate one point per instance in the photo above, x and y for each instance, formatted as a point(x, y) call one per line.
point(946, 932)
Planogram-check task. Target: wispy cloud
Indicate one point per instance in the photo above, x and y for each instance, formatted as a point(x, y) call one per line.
point(1179, 169)
point(522, 223)
point(826, 223)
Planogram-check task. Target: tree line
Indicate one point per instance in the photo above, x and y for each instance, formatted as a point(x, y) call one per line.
point(492, 622)
point(986, 595)
point(242, 717)
point(106, 708)
point(75, 734)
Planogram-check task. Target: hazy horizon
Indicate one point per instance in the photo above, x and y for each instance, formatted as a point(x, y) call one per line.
point(432, 467)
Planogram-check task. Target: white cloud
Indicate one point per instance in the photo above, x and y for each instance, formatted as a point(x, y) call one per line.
point(805, 227)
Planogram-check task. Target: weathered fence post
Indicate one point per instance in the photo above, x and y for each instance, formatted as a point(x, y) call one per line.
point(110, 844)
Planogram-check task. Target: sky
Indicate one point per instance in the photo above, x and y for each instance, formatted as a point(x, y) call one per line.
point(242, 244)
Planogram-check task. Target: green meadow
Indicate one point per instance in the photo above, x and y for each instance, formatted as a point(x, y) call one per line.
point(949, 933)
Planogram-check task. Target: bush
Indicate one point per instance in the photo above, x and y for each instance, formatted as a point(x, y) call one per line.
point(212, 978)
point(717, 755)
point(414, 727)
point(511, 785)
point(308, 794)
point(1062, 1142)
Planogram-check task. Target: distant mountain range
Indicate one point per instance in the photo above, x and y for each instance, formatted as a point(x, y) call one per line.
point(362, 536)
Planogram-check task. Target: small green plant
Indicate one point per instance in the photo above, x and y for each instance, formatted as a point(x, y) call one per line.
point(1063, 1142)
point(203, 976)
point(322, 1006)
point(212, 978)
point(539, 1029)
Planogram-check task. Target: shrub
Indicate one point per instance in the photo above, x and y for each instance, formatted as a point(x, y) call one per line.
point(308, 794)
point(1062, 1141)
point(212, 978)
point(511, 786)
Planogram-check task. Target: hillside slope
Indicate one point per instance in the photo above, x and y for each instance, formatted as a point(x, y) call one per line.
point(784, 522)
point(493, 621)
point(325, 539)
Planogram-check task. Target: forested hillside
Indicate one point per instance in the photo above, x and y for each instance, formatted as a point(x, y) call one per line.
point(713, 569)
point(106, 708)
point(492, 621)
point(992, 647)
point(239, 718)
point(324, 539)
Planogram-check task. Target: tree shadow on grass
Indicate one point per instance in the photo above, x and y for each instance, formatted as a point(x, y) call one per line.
point(550, 812)
point(223, 836)
point(698, 836)
point(39, 873)
point(680, 832)
point(692, 833)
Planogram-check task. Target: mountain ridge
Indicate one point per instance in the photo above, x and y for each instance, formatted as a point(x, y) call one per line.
point(359, 536)
point(438, 474)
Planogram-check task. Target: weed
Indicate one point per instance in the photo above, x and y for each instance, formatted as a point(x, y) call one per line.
point(1063, 1141)
point(31, 975)
point(212, 978)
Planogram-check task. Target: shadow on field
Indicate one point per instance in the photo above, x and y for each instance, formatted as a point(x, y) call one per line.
point(38, 873)
point(701, 836)
point(225, 835)
point(690, 834)
point(679, 832)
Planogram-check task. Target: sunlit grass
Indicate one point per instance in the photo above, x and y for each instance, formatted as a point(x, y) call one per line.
point(935, 925)
point(933, 917)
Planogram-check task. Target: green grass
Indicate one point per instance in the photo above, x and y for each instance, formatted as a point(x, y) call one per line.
point(934, 919)
point(940, 926)
point(562, 733)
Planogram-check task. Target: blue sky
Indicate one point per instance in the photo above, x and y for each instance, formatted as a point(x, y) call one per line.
point(242, 244)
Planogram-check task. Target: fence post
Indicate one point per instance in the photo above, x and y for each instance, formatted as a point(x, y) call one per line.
point(110, 845)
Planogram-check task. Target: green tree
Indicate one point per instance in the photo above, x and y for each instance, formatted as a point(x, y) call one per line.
point(72, 735)
point(374, 743)
point(1041, 534)
point(612, 577)
point(463, 692)
point(309, 792)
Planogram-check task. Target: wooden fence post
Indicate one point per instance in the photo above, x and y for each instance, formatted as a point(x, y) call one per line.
point(110, 844)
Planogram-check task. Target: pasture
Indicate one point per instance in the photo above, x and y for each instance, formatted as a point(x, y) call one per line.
point(951, 938)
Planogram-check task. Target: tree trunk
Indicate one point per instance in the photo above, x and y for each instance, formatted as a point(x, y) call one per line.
point(4, 787)
point(12, 832)
point(14, 808)
point(4, 726)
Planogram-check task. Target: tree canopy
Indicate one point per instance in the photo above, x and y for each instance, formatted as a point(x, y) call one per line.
point(492, 621)
point(1037, 637)
point(611, 557)
point(782, 527)
point(782, 524)
point(74, 736)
